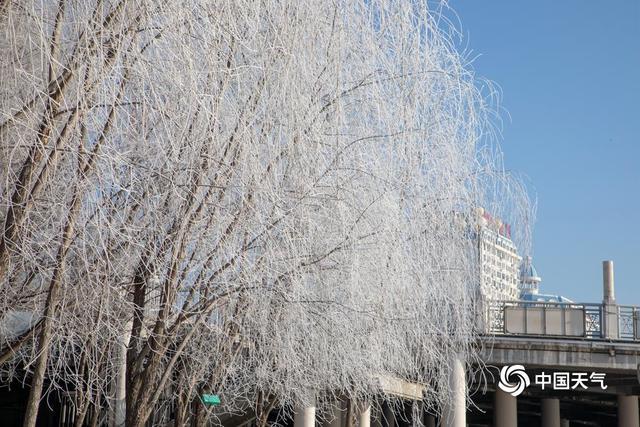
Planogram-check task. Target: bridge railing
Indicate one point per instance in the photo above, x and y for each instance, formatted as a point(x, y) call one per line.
point(555, 319)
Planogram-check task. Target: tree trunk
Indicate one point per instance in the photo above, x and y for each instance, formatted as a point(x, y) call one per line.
point(50, 311)
point(41, 363)
point(350, 413)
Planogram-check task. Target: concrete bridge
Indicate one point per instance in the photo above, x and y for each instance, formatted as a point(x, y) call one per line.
point(563, 348)
point(562, 387)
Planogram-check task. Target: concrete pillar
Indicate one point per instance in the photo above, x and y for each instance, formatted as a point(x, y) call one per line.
point(550, 413)
point(608, 289)
point(565, 423)
point(609, 306)
point(628, 411)
point(455, 413)
point(365, 417)
point(305, 417)
point(505, 411)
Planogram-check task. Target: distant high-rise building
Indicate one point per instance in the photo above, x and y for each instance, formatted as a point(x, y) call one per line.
point(498, 259)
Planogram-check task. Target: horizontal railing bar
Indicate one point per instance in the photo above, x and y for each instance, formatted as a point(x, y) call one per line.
point(592, 304)
point(628, 318)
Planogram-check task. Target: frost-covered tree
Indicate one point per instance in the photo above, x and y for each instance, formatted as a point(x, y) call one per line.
point(256, 198)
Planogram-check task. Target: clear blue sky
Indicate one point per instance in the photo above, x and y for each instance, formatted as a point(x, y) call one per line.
point(569, 71)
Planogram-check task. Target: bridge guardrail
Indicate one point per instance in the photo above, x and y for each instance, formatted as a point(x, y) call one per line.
point(577, 320)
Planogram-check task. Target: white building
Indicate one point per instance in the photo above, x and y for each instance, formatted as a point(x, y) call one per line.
point(498, 259)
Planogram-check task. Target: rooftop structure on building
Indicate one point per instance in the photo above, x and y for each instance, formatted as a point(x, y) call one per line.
point(529, 285)
point(529, 278)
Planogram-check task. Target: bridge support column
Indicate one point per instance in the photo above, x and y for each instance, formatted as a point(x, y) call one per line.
point(505, 413)
point(628, 411)
point(365, 416)
point(305, 417)
point(455, 414)
point(550, 413)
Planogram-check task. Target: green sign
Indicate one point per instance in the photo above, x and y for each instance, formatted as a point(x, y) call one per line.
point(211, 399)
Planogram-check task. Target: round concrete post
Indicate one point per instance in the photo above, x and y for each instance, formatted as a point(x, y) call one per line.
point(455, 414)
point(550, 413)
point(365, 416)
point(608, 289)
point(565, 423)
point(628, 411)
point(505, 413)
point(305, 417)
